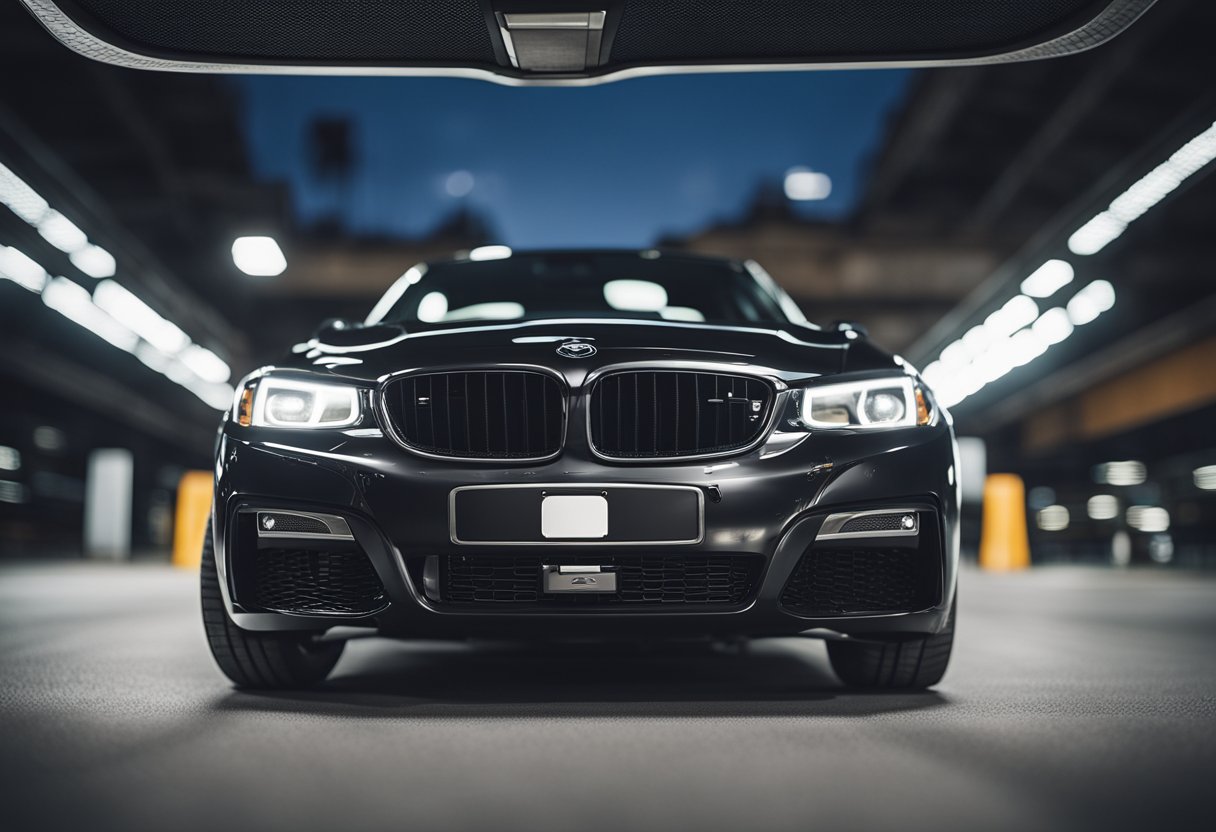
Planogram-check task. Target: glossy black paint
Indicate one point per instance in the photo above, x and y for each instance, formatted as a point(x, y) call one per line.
point(769, 500)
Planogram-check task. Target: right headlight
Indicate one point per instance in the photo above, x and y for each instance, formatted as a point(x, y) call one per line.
point(288, 403)
point(871, 403)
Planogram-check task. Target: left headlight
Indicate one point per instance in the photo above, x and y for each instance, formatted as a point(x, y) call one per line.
point(287, 403)
point(871, 403)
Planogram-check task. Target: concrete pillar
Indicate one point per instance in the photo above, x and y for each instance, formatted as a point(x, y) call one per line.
point(107, 503)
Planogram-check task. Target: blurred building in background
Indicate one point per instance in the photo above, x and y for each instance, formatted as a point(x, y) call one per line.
point(1094, 380)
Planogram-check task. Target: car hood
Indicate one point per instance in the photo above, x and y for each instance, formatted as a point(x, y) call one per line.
point(369, 354)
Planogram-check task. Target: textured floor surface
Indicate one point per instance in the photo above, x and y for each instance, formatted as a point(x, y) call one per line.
point(1077, 700)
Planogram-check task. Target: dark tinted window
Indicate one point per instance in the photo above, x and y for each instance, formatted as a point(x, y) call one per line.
point(611, 285)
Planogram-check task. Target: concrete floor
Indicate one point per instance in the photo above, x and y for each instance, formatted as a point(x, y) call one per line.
point(1077, 700)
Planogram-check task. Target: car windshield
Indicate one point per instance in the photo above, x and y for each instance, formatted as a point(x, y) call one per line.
point(602, 285)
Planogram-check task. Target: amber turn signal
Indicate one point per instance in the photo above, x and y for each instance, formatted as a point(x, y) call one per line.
point(244, 410)
point(922, 408)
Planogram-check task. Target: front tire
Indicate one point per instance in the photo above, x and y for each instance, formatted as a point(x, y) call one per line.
point(911, 664)
point(255, 660)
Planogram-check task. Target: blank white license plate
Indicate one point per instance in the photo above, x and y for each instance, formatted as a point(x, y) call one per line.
point(574, 516)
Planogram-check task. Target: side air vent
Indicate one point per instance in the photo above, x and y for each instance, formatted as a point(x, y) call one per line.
point(674, 413)
point(317, 583)
point(512, 414)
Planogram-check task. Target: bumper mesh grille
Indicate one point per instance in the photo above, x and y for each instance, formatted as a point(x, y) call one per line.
point(641, 580)
point(832, 582)
point(479, 414)
point(667, 414)
point(329, 583)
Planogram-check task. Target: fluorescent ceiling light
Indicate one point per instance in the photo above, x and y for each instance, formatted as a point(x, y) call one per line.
point(1018, 311)
point(126, 307)
point(1121, 472)
point(258, 256)
point(94, 261)
point(806, 185)
point(1053, 519)
point(1146, 192)
point(1053, 326)
point(10, 459)
point(1205, 477)
point(1090, 302)
point(1000, 344)
point(490, 253)
point(205, 364)
point(54, 227)
point(1148, 518)
point(19, 268)
point(74, 302)
point(1102, 507)
point(1048, 279)
point(61, 232)
point(20, 198)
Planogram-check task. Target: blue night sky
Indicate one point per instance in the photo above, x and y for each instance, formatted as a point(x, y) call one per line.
point(613, 165)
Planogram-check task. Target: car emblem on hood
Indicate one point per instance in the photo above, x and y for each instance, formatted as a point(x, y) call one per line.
point(576, 349)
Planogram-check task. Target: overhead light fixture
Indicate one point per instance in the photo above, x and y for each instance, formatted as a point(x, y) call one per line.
point(118, 317)
point(74, 302)
point(1205, 477)
point(1053, 519)
point(1122, 472)
point(94, 261)
point(10, 459)
point(1048, 279)
point(54, 227)
point(20, 198)
point(1102, 507)
point(1146, 192)
point(61, 232)
point(1053, 326)
point(1148, 518)
point(1003, 342)
point(258, 256)
point(806, 185)
point(490, 253)
point(18, 267)
point(124, 306)
point(205, 364)
point(1087, 304)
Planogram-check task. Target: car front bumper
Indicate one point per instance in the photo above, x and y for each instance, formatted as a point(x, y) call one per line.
point(398, 507)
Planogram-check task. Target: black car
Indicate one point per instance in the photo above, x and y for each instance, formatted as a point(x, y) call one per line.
point(584, 445)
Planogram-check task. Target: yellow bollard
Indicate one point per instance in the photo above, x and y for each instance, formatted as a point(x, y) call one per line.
point(193, 509)
point(1004, 545)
